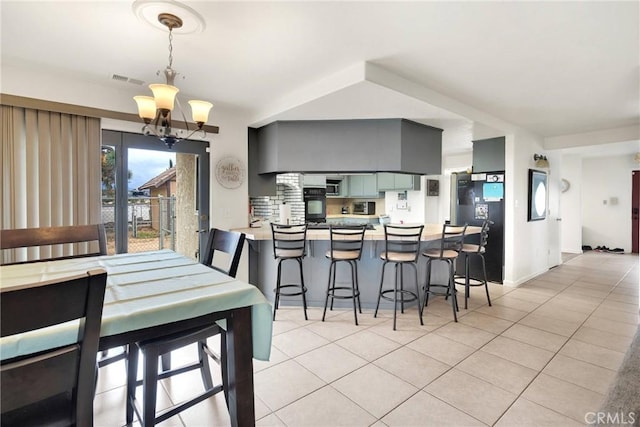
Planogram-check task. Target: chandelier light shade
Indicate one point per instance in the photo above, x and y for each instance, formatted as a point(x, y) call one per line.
point(156, 110)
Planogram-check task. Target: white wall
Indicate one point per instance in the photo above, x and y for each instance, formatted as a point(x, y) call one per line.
point(571, 204)
point(415, 212)
point(526, 243)
point(605, 223)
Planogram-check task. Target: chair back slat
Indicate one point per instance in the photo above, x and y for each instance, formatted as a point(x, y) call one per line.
point(347, 239)
point(289, 240)
point(228, 242)
point(39, 388)
point(484, 232)
point(47, 236)
point(477, 242)
point(452, 238)
point(403, 239)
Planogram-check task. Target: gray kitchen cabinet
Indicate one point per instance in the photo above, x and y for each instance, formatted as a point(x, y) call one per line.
point(363, 186)
point(398, 181)
point(314, 180)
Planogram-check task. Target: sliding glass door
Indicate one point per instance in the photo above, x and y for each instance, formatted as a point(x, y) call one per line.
point(153, 197)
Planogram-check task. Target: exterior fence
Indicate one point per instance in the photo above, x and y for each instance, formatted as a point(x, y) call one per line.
point(150, 223)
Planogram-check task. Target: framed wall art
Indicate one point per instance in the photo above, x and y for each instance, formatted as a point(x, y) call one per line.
point(537, 195)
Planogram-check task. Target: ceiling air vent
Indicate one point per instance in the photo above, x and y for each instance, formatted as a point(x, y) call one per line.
point(125, 79)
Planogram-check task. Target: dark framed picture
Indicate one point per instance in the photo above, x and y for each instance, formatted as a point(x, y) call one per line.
point(537, 195)
point(433, 187)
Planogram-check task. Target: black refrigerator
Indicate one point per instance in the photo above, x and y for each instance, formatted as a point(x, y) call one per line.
point(474, 198)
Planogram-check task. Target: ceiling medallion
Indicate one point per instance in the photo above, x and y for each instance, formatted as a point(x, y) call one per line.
point(149, 10)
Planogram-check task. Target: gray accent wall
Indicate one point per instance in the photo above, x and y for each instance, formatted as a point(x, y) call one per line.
point(259, 184)
point(376, 145)
point(488, 155)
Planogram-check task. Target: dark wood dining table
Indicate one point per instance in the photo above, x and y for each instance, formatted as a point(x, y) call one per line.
point(153, 294)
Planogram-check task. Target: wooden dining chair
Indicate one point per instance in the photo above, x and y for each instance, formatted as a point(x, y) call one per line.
point(54, 386)
point(220, 241)
point(93, 234)
point(46, 236)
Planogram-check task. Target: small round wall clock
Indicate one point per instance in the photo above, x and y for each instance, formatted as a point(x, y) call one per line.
point(230, 172)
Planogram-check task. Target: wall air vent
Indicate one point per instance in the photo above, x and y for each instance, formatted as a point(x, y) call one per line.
point(125, 79)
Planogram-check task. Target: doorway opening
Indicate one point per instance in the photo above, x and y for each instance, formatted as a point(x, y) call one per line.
point(154, 198)
point(635, 209)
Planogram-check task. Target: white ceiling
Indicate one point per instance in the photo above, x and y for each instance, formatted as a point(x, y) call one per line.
point(554, 68)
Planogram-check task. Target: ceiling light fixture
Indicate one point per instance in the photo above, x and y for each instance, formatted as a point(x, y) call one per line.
point(541, 161)
point(158, 108)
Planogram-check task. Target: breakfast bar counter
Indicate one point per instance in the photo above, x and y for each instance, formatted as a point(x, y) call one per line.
point(263, 265)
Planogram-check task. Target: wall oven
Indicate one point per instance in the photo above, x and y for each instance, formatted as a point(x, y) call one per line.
point(315, 204)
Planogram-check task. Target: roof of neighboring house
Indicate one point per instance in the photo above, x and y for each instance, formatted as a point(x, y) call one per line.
point(158, 180)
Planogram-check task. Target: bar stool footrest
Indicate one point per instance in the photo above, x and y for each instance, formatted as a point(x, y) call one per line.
point(413, 296)
point(441, 290)
point(342, 288)
point(292, 294)
point(460, 280)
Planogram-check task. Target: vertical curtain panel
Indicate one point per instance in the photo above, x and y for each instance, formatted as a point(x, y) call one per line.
point(50, 175)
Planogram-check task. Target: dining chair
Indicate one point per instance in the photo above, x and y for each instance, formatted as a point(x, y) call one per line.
point(44, 237)
point(449, 247)
point(93, 235)
point(219, 241)
point(345, 247)
point(401, 248)
point(475, 248)
point(54, 386)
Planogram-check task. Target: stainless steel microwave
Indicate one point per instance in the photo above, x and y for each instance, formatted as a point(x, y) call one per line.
point(364, 208)
point(333, 187)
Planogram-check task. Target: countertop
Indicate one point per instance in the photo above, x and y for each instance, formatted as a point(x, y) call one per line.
point(430, 232)
point(354, 216)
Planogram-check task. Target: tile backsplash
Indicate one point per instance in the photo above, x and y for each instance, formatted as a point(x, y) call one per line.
point(289, 190)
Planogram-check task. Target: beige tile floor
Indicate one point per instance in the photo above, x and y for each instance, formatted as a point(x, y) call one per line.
point(545, 353)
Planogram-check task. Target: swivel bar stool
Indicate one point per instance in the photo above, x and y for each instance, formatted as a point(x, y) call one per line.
point(401, 247)
point(346, 247)
point(289, 244)
point(475, 249)
point(450, 245)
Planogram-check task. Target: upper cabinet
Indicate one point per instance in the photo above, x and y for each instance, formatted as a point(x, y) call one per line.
point(398, 181)
point(363, 186)
point(350, 146)
point(314, 181)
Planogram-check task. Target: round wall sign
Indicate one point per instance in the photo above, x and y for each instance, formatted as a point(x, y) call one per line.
point(230, 172)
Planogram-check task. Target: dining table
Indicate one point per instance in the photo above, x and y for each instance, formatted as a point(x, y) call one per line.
point(154, 294)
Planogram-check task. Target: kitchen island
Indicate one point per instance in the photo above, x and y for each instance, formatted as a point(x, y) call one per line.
point(263, 266)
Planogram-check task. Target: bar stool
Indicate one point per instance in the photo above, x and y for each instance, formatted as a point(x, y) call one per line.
point(475, 249)
point(450, 246)
point(346, 246)
point(401, 247)
point(289, 244)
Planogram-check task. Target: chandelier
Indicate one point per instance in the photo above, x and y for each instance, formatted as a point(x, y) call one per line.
point(156, 110)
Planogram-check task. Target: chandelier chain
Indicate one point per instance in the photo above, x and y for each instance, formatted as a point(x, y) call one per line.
point(170, 47)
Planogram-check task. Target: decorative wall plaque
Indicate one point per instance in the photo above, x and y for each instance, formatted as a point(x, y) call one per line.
point(230, 172)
